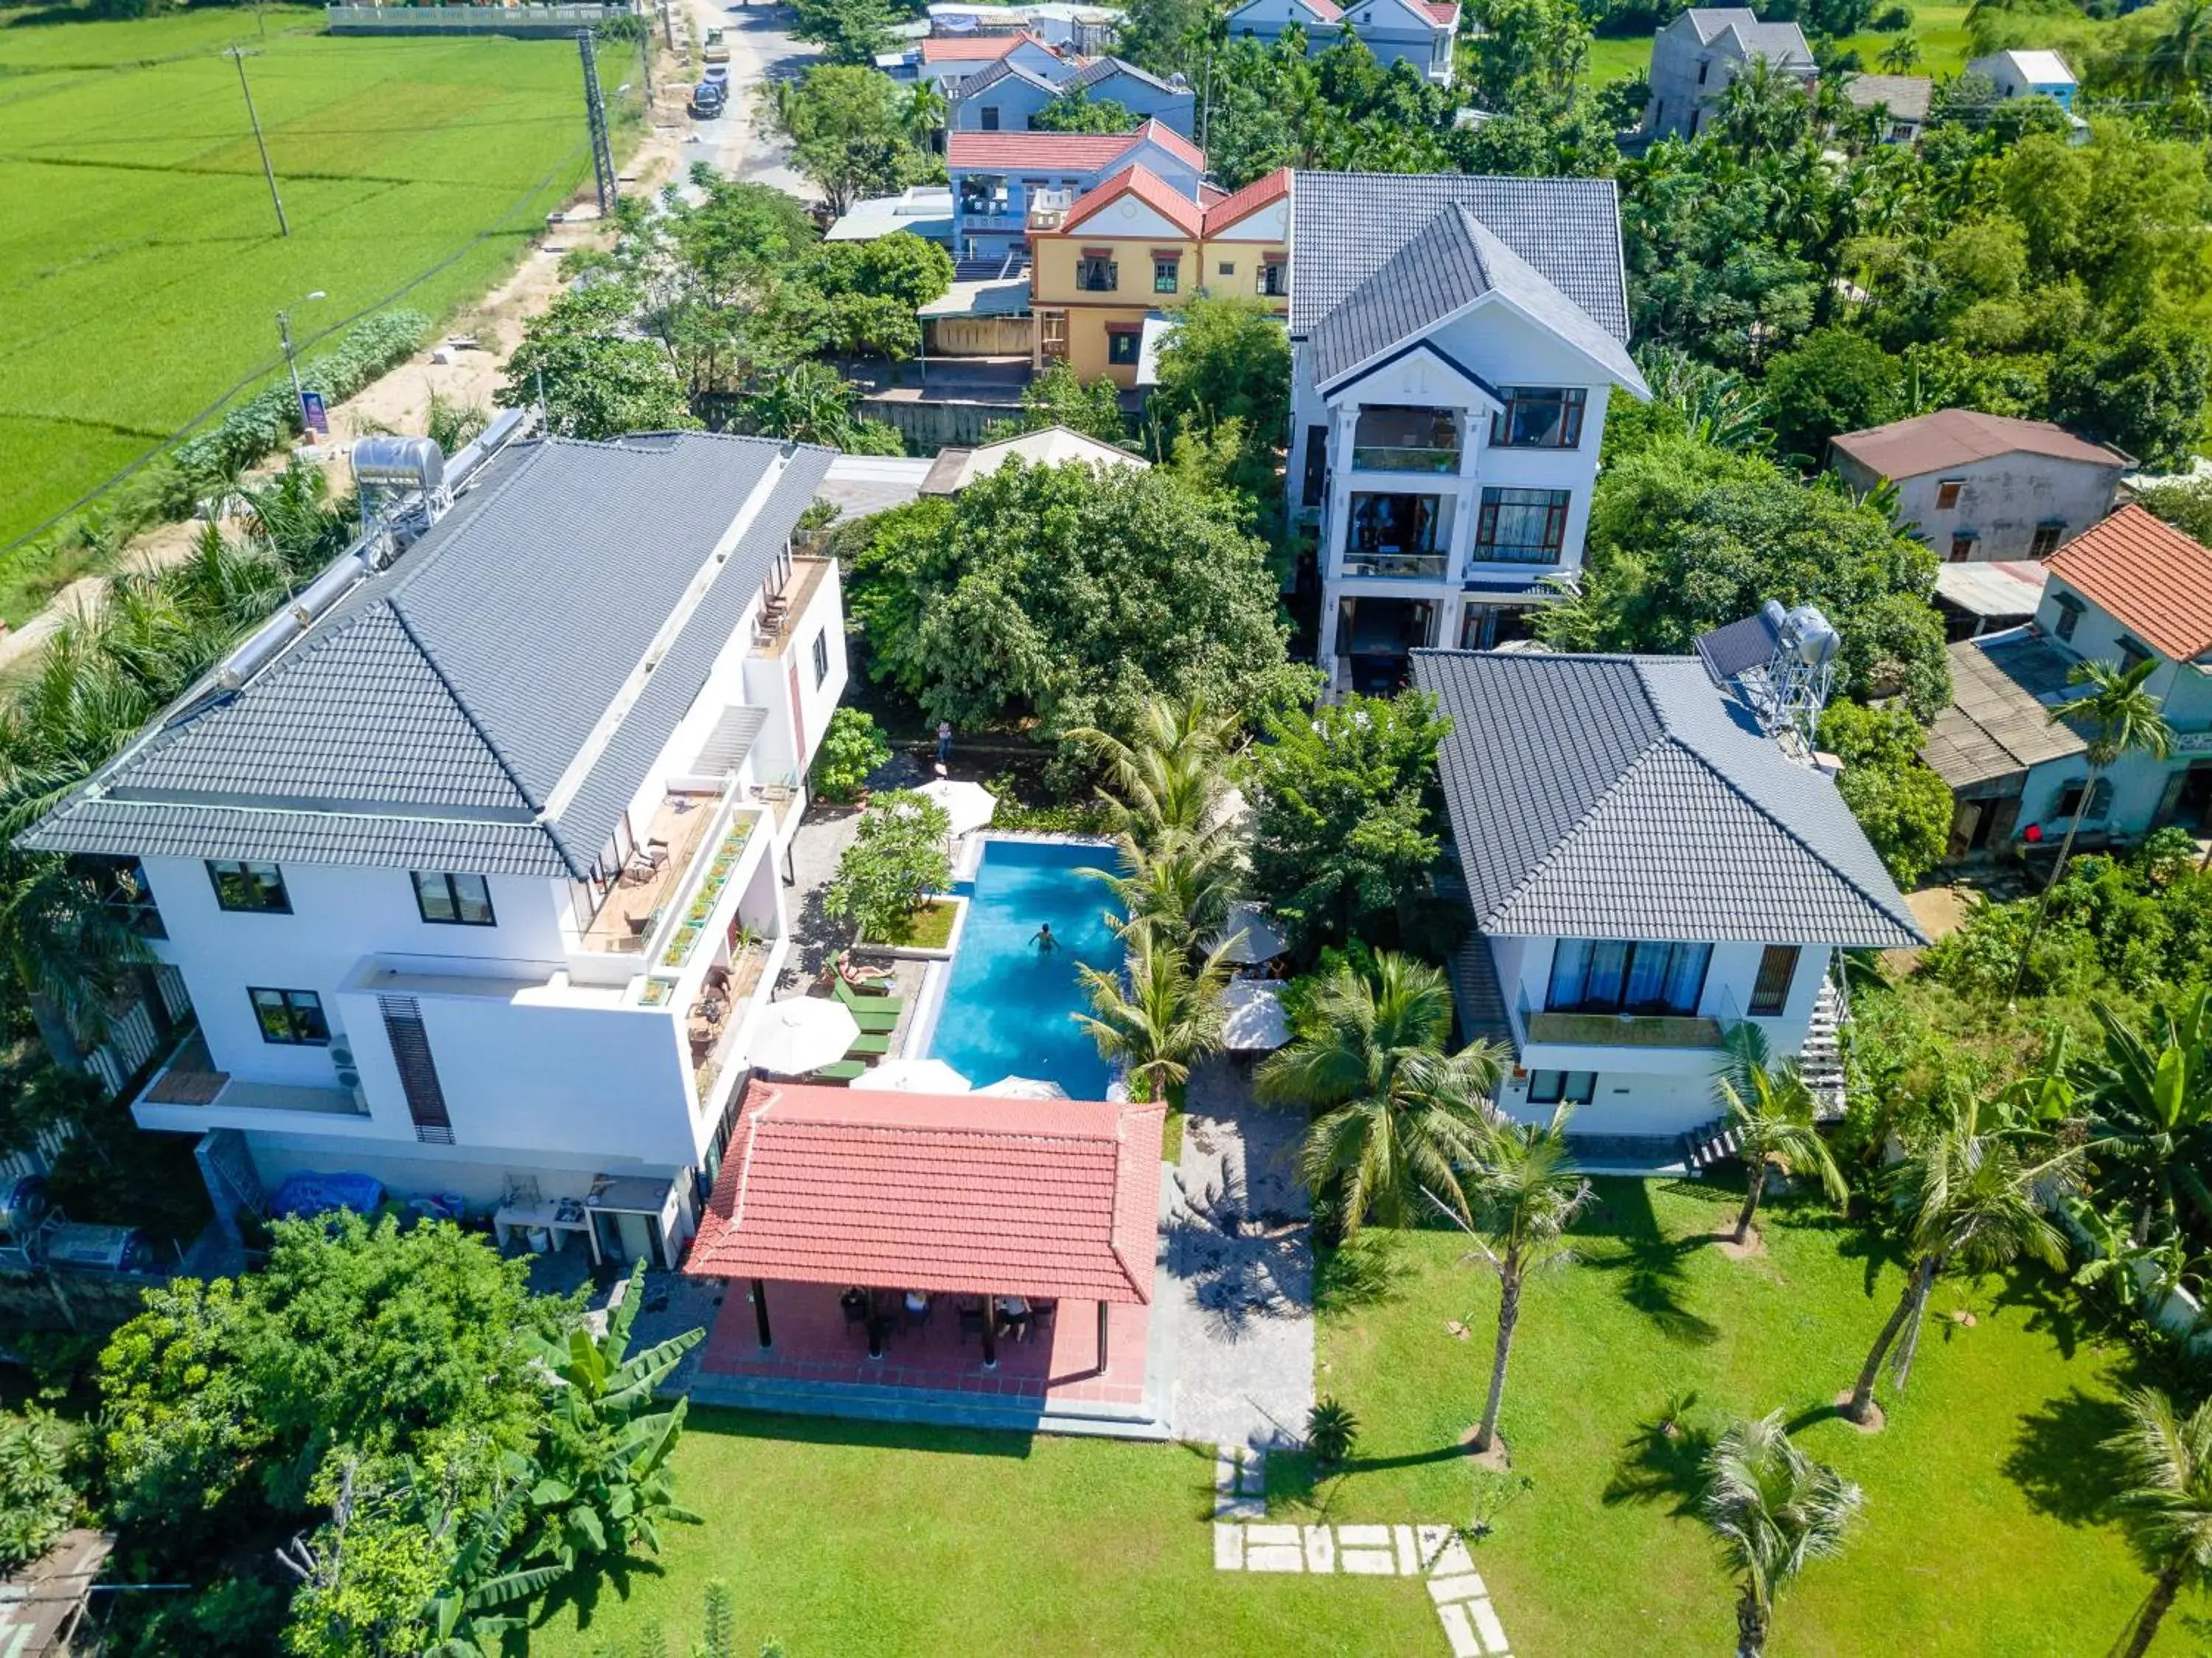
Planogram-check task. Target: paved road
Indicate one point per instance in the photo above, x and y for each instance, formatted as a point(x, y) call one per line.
point(761, 49)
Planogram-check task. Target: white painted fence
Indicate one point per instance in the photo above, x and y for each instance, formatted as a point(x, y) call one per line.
point(554, 19)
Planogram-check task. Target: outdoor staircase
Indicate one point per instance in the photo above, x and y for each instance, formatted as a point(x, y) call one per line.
point(1709, 1143)
point(1821, 1060)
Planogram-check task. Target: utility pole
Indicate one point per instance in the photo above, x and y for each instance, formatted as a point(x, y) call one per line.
point(268, 171)
point(645, 66)
point(668, 24)
point(595, 110)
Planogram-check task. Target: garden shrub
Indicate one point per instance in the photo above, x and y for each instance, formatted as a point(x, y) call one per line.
point(851, 749)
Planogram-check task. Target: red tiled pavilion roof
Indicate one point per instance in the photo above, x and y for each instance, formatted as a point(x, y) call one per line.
point(2156, 581)
point(978, 48)
point(1146, 186)
point(1224, 213)
point(942, 1192)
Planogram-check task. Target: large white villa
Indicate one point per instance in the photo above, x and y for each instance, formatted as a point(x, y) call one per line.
point(1454, 342)
point(1647, 867)
point(468, 867)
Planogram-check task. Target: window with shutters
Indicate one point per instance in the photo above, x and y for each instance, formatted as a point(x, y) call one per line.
point(1770, 992)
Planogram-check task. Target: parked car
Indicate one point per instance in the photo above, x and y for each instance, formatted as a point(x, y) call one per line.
point(709, 99)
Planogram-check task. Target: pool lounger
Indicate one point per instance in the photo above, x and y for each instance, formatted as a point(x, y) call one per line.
point(869, 1046)
point(875, 1024)
point(845, 1070)
point(865, 1001)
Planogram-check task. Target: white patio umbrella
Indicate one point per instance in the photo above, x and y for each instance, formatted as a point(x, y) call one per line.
point(803, 1034)
point(912, 1077)
point(969, 805)
point(1026, 1087)
point(1263, 942)
point(1252, 1016)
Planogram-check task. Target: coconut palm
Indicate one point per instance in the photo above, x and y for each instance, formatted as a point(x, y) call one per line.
point(1774, 1510)
point(2116, 716)
point(2149, 1103)
point(1398, 1113)
point(2166, 1461)
point(1181, 892)
point(1519, 1197)
point(1170, 776)
point(1163, 1020)
point(1967, 1196)
point(1772, 1111)
point(2181, 52)
point(1901, 55)
point(923, 116)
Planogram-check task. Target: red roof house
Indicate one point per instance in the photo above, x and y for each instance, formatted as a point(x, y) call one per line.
point(2147, 575)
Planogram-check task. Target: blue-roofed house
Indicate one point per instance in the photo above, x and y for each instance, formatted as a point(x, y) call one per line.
point(1454, 342)
point(1646, 869)
point(1006, 97)
point(462, 876)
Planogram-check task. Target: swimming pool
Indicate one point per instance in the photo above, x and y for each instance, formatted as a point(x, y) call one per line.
point(1009, 1009)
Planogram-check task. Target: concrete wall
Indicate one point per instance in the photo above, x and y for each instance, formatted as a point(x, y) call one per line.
point(1644, 1090)
point(2002, 500)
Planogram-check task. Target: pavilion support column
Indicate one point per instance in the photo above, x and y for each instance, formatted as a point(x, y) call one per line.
point(990, 1332)
point(759, 1311)
point(1102, 1309)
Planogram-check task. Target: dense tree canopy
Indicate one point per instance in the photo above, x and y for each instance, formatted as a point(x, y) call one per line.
point(1070, 595)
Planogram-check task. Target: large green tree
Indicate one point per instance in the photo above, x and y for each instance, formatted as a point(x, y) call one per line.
point(596, 376)
point(1344, 830)
point(1229, 359)
point(1071, 593)
point(849, 131)
point(1903, 807)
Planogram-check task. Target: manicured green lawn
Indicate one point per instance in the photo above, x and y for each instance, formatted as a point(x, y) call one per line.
point(1941, 31)
point(1981, 1533)
point(929, 928)
point(140, 266)
point(858, 1540)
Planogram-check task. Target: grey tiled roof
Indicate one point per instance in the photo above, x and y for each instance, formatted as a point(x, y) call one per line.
point(1346, 225)
point(984, 79)
point(1629, 798)
point(432, 716)
point(1105, 69)
point(1779, 43)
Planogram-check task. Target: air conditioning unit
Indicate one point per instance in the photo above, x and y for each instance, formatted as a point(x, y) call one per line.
point(348, 1078)
point(341, 1056)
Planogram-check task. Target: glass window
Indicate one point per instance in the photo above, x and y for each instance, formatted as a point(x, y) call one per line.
point(1962, 546)
point(2047, 541)
point(1552, 1088)
point(1097, 276)
point(821, 657)
point(292, 1019)
point(258, 887)
point(1526, 526)
point(990, 113)
point(453, 900)
point(1164, 272)
point(1539, 417)
point(1228, 267)
point(1122, 348)
point(1618, 976)
point(1274, 278)
point(1770, 992)
point(2131, 655)
point(2069, 615)
point(1946, 493)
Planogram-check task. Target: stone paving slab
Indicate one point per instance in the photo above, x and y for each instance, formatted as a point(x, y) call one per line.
point(1467, 1587)
point(1320, 1549)
point(1487, 1626)
point(1451, 1561)
point(1364, 1536)
point(1275, 1556)
point(1369, 1562)
point(1269, 1535)
point(1460, 1632)
point(1228, 1548)
point(1409, 1553)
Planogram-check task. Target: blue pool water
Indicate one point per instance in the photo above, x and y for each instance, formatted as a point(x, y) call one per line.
point(1009, 1009)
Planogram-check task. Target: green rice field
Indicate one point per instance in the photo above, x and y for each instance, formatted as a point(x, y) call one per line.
point(140, 264)
point(1940, 30)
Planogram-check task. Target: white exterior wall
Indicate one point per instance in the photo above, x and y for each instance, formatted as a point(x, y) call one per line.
point(543, 1071)
point(2002, 500)
point(1504, 348)
point(1650, 1090)
point(2139, 782)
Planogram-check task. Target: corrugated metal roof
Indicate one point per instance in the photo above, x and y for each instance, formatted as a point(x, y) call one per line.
point(1951, 437)
point(941, 1192)
point(2003, 687)
point(432, 715)
point(1346, 225)
point(1628, 797)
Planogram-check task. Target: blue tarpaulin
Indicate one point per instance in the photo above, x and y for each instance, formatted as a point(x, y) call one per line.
point(309, 1193)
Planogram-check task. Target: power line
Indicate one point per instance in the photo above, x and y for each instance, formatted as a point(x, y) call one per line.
point(237, 56)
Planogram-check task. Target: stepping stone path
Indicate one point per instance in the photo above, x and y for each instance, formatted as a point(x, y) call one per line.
point(1244, 1541)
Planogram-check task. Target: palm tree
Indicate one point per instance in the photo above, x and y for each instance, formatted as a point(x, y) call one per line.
point(1170, 776)
point(2168, 1504)
point(1398, 1113)
point(923, 116)
point(2150, 1112)
point(1181, 892)
point(1519, 1198)
point(2116, 716)
point(1901, 55)
point(1965, 1197)
point(1774, 1509)
point(1166, 1019)
point(1772, 1111)
point(2178, 58)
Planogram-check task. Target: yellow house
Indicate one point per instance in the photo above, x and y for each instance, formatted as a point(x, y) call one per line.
point(1133, 248)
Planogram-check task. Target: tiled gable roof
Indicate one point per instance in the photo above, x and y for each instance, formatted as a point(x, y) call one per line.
point(2147, 575)
point(953, 48)
point(1147, 187)
point(1920, 444)
point(1455, 260)
point(1229, 210)
point(1101, 69)
point(1003, 69)
point(947, 1193)
point(1346, 225)
point(1629, 798)
point(1062, 152)
point(440, 707)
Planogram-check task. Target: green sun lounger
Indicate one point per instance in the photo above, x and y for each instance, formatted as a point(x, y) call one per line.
point(872, 1023)
point(870, 1046)
point(843, 1071)
point(865, 1001)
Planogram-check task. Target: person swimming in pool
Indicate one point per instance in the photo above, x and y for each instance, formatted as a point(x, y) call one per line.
point(1043, 940)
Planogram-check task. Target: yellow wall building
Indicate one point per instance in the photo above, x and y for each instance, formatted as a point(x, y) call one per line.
point(1132, 248)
